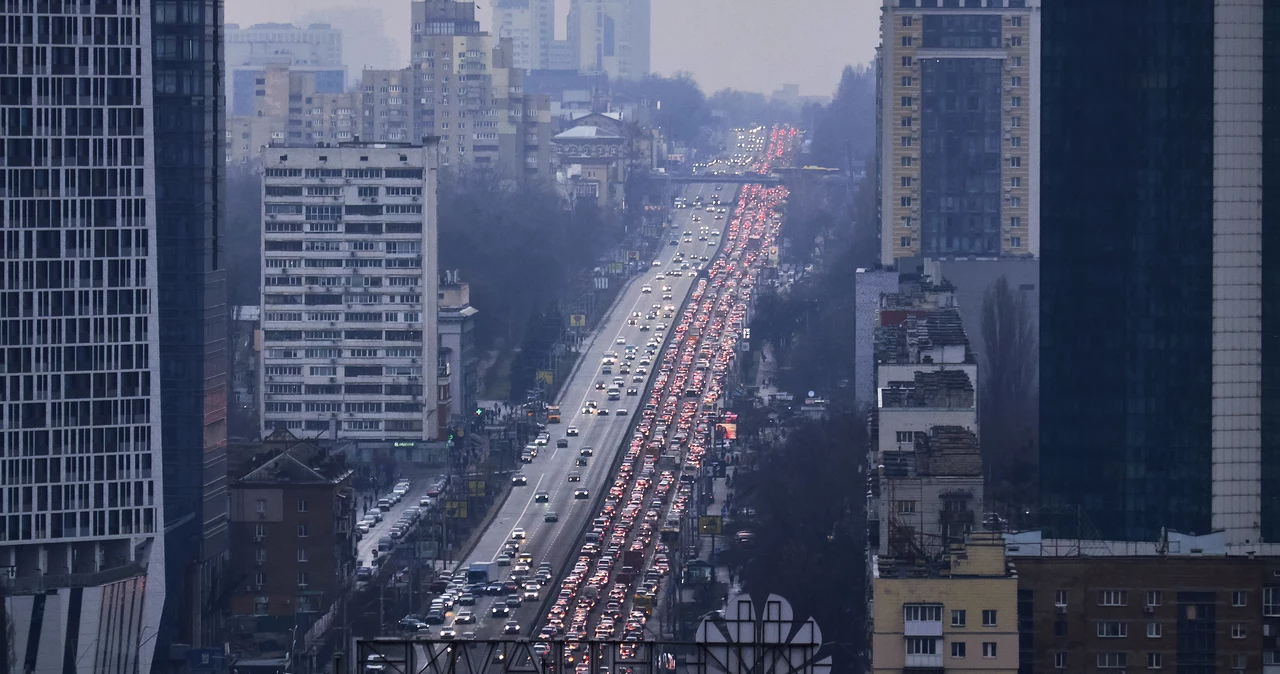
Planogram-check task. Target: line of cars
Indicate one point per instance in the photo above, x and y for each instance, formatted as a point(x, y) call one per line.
point(408, 520)
point(624, 557)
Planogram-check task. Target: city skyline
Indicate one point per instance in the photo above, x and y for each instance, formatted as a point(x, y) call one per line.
point(827, 36)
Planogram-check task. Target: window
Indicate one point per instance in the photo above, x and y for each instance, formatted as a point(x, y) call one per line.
point(1016, 21)
point(906, 101)
point(1239, 661)
point(259, 531)
point(1015, 101)
point(1112, 660)
point(905, 436)
point(302, 505)
point(1239, 598)
point(906, 161)
point(905, 202)
point(906, 40)
point(302, 554)
point(1015, 41)
point(1239, 631)
point(1153, 661)
point(1116, 598)
point(1015, 141)
point(303, 579)
point(905, 242)
point(1015, 81)
point(1015, 162)
point(906, 20)
point(1154, 630)
point(906, 181)
point(1271, 602)
point(261, 506)
point(988, 617)
point(906, 121)
point(906, 221)
point(1015, 201)
point(1015, 122)
point(906, 141)
point(925, 612)
point(906, 81)
point(1060, 598)
point(1015, 182)
point(1152, 598)
point(1015, 221)
point(1017, 61)
point(957, 617)
point(302, 531)
point(988, 649)
point(1113, 629)
point(1015, 242)
point(957, 649)
point(1059, 660)
point(906, 61)
point(922, 646)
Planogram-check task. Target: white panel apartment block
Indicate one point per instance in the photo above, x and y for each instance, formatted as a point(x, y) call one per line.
point(1237, 269)
point(349, 345)
point(80, 473)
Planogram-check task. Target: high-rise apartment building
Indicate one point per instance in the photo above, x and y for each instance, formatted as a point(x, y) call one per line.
point(959, 128)
point(530, 24)
point(468, 92)
point(292, 109)
point(250, 51)
point(111, 304)
point(611, 37)
point(1160, 291)
point(350, 289)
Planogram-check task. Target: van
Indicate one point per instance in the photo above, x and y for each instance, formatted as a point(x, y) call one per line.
point(385, 543)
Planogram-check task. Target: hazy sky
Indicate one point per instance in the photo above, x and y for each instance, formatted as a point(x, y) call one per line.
point(756, 45)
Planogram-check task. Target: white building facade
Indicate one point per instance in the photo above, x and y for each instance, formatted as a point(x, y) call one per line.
point(349, 303)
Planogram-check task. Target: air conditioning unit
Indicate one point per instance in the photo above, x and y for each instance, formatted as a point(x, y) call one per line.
point(333, 380)
point(271, 378)
point(1148, 609)
point(1060, 609)
point(416, 198)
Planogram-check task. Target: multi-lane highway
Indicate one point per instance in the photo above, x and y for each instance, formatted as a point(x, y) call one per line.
point(627, 324)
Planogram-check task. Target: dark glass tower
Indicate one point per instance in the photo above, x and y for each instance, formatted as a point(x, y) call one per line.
point(190, 173)
point(1152, 329)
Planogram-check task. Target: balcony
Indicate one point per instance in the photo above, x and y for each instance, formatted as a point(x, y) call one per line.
point(922, 628)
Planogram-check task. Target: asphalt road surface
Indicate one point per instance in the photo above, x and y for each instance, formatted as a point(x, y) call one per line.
point(553, 542)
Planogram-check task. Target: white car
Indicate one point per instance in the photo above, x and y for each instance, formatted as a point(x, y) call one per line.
point(646, 289)
point(517, 534)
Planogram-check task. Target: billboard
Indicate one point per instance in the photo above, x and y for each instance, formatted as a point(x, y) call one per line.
point(727, 431)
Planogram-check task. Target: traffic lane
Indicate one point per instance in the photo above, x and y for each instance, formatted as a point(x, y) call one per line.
point(548, 541)
point(367, 543)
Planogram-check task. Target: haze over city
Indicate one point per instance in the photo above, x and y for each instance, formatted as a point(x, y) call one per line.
point(771, 36)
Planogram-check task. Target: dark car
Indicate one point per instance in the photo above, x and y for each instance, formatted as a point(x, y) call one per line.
point(513, 601)
point(541, 497)
point(434, 618)
point(580, 461)
point(581, 494)
point(519, 480)
point(499, 611)
point(562, 443)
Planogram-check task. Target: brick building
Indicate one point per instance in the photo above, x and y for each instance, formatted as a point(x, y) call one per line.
point(1183, 612)
point(292, 542)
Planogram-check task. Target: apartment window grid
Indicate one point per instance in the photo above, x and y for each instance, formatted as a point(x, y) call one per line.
point(922, 612)
point(395, 204)
point(1115, 598)
point(114, 375)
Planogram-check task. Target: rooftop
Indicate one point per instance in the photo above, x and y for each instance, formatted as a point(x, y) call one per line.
point(586, 132)
point(912, 335)
point(947, 389)
point(302, 462)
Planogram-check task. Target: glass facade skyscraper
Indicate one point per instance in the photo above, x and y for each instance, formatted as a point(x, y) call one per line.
point(1152, 274)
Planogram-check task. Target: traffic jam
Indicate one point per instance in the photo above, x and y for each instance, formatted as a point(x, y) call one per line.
point(611, 589)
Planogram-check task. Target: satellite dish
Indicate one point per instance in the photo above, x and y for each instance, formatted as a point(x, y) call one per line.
point(811, 394)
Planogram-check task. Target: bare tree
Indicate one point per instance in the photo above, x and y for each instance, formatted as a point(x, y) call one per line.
point(1009, 408)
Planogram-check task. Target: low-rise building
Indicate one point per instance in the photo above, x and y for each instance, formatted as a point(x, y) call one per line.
point(292, 520)
point(931, 496)
point(956, 613)
point(1180, 604)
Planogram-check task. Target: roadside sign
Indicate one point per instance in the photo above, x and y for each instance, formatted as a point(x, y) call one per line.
point(577, 320)
point(633, 255)
point(455, 510)
point(547, 377)
point(710, 524)
point(475, 488)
